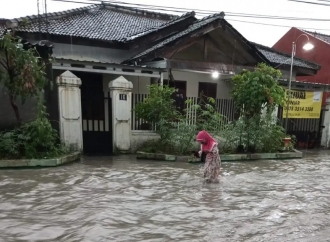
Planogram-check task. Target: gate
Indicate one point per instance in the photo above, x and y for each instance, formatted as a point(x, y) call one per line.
point(307, 131)
point(96, 115)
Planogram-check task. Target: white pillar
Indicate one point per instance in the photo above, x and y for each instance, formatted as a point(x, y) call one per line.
point(69, 100)
point(325, 141)
point(121, 92)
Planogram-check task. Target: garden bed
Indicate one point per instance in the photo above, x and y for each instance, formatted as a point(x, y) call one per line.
point(295, 154)
point(21, 163)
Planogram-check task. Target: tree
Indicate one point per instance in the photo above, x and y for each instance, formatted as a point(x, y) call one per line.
point(22, 72)
point(254, 91)
point(258, 89)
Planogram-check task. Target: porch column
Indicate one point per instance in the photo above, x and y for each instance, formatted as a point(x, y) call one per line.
point(325, 141)
point(69, 99)
point(121, 92)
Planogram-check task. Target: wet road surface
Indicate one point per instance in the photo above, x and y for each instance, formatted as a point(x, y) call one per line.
point(120, 199)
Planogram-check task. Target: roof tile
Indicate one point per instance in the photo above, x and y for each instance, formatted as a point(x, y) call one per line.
point(105, 22)
point(280, 58)
point(324, 37)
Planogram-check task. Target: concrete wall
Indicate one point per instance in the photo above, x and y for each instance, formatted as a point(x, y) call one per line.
point(139, 137)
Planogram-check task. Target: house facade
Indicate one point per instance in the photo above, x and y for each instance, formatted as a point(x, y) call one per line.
point(319, 54)
point(106, 55)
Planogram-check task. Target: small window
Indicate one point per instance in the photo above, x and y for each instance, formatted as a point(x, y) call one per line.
point(207, 89)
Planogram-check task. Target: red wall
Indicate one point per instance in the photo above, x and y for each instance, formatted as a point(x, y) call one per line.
point(320, 54)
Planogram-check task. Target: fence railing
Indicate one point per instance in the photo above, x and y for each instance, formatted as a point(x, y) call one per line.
point(225, 107)
point(302, 128)
point(137, 123)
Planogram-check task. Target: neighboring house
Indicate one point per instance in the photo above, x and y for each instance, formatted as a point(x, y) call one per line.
point(100, 43)
point(319, 54)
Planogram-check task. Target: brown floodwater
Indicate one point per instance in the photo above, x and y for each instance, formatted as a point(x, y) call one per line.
point(121, 199)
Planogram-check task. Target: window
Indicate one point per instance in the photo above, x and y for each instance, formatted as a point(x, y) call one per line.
point(180, 95)
point(208, 89)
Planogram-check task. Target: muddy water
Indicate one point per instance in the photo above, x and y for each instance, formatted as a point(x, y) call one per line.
point(120, 199)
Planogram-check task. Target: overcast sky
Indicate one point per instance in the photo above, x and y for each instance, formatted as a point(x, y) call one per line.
point(260, 33)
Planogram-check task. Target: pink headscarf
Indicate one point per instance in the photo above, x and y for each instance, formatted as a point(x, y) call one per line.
point(206, 139)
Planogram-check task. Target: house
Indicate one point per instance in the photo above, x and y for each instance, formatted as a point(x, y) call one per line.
point(106, 55)
point(319, 54)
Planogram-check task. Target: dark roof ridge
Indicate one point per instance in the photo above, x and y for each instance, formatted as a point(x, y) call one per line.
point(283, 53)
point(109, 6)
point(314, 32)
point(136, 10)
point(56, 15)
point(164, 25)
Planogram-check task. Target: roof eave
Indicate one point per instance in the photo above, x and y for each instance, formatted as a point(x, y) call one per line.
point(154, 53)
point(189, 16)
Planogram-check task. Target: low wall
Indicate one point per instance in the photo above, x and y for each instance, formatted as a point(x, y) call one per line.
point(141, 136)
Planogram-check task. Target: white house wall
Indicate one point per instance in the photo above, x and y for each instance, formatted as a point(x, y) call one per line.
point(193, 78)
point(91, 53)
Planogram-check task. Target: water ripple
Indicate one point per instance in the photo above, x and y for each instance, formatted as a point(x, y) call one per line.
point(120, 199)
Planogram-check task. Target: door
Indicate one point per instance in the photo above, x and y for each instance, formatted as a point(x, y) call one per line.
point(96, 115)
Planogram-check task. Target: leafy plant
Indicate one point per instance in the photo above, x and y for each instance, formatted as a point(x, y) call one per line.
point(159, 105)
point(36, 139)
point(256, 90)
point(177, 136)
point(265, 135)
point(207, 118)
point(21, 71)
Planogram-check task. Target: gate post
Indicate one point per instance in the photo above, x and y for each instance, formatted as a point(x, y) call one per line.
point(69, 102)
point(325, 139)
point(121, 92)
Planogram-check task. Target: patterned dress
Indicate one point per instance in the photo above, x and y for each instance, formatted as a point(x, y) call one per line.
point(212, 165)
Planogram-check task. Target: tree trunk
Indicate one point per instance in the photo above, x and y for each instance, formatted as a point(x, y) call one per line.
point(14, 106)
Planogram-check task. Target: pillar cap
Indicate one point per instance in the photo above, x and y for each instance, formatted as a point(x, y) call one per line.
point(120, 83)
point(67, 78)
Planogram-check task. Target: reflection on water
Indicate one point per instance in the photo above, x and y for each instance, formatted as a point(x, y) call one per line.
point(120, 199)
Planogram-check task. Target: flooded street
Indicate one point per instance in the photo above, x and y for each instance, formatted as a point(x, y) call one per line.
point(121, 199)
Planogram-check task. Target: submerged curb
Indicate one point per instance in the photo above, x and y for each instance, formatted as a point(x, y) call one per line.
point(155, 156)
point(295, 154)
point(40, 162)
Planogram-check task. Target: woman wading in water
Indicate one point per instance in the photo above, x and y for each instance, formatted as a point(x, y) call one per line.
point(209, 147)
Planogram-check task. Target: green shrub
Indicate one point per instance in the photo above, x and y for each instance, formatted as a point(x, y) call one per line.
point(36, 139)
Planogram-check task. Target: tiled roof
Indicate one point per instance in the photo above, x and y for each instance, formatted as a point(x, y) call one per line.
point(193, 27)
point(106, 22)
point(324, 37)
point(2, 25)
point(280, 58)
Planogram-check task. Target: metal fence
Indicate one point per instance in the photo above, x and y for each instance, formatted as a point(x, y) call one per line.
point(307, 131)
point(225, 107)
